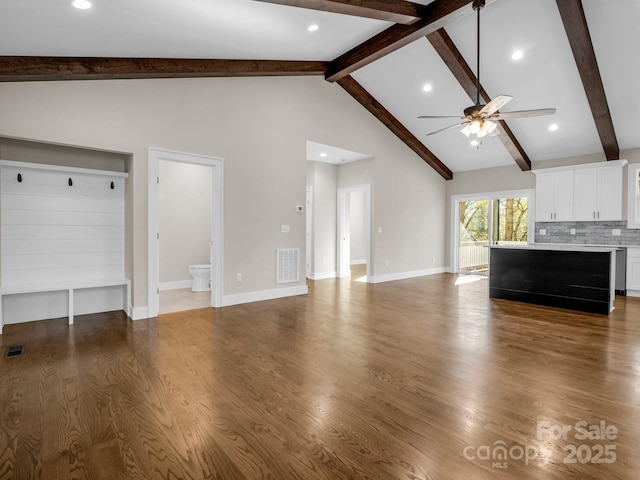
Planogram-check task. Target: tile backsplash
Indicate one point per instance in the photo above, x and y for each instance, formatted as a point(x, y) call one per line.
point(590, 233)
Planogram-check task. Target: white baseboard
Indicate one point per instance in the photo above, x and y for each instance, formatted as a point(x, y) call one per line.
point(322, 276)
point(138, 313)
point(404, 275)
point(177, 285)
point(250, 297)
point(359, 261)
point(633, 293)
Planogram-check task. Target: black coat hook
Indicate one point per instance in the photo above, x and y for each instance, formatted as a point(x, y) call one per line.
point(112, 186)
point(70, 182)
point(19, 178)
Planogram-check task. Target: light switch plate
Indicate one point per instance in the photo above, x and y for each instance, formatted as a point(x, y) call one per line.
point(543, 231)
point(616, 232)
point(285, 228)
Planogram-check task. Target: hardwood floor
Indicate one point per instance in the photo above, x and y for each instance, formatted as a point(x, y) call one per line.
point(415, 379)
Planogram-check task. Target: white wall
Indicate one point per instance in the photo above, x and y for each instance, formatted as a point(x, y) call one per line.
point(184, 204)
point(259, 127)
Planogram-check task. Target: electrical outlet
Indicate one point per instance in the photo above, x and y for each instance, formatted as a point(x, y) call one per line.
point(543, 231)
point(616, 232)
point(238, 277)
point(573, 231)
point(386, 263)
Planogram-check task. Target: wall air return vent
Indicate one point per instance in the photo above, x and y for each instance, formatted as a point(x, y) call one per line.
point(288, 265)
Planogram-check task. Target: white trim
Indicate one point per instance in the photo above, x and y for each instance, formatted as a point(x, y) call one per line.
point(322, 276)
point(633, 293)
point(251, 297)
point(404, 275)
point(340, 231)
point(177, 285)
point(530, 193)
point(217, 234)
point(610, 163)
point(138, 313)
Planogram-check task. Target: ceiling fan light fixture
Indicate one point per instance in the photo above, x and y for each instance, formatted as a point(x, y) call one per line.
point(467, 130)
point(475, 127)
point(82, 4)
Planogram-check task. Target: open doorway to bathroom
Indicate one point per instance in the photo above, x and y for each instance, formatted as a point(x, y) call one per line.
point(185, 202)
point(185, 232)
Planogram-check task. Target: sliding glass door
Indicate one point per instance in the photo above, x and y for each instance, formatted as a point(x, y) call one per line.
point(497, 219)
point(473, 237)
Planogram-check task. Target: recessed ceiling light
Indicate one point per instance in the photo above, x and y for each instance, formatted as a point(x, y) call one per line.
point(427, 87)
point(313, 28)
point(82, 4)
point(517, 55)
point(553, 127)
point(323, 154)
point(475, 143)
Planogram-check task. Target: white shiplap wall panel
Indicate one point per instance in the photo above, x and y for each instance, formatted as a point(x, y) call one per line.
point(73, 232)
point(57, 246)
point(51, 231)
point(68, 204)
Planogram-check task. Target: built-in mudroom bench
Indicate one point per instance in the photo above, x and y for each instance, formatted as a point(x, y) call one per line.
point(62, 242)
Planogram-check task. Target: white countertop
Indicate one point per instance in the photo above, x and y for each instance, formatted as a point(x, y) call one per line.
point(561, 247)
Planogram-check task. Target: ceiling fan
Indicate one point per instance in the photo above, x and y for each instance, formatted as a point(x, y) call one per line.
point(480, 120)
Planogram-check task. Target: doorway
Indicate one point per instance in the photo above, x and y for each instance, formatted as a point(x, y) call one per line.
point(497, 218)
point(216, 234)
point(354, 207)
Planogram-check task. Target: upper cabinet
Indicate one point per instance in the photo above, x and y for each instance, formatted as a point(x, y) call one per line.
point(591, 192)
point(554, 196)
point(597, 194)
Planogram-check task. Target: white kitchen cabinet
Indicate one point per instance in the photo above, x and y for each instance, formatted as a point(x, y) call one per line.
point(597, 193)
point(633, 272)
point(554, 196)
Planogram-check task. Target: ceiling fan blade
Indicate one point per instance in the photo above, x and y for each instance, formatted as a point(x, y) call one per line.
point(494, 105)
point(446, 128)
point(523, 113)
point(440, 116)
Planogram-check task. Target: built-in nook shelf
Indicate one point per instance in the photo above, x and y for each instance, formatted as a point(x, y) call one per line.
point(62, 232)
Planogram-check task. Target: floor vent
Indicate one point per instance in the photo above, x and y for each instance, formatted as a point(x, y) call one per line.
point(14, 350)
point(288, 260)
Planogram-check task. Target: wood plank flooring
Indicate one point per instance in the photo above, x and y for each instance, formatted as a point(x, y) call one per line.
point(415, 379)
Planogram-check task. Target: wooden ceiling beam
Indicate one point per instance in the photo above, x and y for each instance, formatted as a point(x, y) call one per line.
point(434, 16)
point(358, 92)
point(575, 24)
point(460, 69)
point(395, 11)
point(22, 69)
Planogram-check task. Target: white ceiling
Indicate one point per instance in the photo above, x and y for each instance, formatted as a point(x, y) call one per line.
point(328, 154)
point(245, 29)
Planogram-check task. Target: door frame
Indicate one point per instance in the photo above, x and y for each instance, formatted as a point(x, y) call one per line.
point(217, 236)
point(309, 231)
point(342, 216)
point(530, 193)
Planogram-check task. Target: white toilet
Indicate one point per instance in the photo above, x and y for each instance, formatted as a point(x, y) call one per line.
point(201, 275)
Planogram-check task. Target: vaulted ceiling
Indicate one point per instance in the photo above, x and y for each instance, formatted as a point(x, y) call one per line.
point(577, 56)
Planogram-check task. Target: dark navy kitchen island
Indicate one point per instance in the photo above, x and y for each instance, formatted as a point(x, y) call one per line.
point(577, 278)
